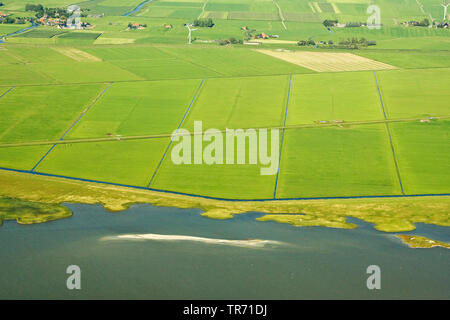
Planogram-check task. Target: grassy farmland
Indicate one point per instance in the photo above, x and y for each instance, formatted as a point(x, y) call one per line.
point(100, 104)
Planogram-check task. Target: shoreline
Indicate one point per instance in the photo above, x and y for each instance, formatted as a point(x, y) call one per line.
point(387, 214)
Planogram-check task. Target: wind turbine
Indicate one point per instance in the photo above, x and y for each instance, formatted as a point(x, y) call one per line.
point(445, 5)
point(190, 33)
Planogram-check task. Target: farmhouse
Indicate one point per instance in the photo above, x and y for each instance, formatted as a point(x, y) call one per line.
point(135, 26)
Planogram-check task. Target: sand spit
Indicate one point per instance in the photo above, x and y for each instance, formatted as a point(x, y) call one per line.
point(249, 243)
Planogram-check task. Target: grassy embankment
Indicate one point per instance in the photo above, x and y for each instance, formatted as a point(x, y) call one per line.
point(389, 215)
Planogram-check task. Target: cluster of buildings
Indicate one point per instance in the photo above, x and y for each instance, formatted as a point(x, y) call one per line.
point(261, 35)
point(413, 23)
point(426, 23)
point(444, 25)
point(10, 19)
point(61, 23)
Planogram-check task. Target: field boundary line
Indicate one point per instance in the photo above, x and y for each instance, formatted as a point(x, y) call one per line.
point(394, 156)
point(196, 94)
point(73, 124)
point(167, 135)
point(223, 199)
point(194, 63)
point(7, 91)
point(93, 102)
point(282, 137)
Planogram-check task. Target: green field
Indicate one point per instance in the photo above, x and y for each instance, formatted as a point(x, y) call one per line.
point(338, 96)
point(125, 162)
point(42, 33)
point(24, 119)
point(422, 155)
point(10, 28)
point(152, 112)
point(356, 161)
point(100, 104)
point(240, 103)
point(415, 93)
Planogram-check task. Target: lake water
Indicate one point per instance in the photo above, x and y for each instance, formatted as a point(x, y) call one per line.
point(310, 263)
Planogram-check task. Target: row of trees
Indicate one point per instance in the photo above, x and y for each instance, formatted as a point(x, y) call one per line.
point(353, 43)
point(41, 11)
point(50, 12)
point(330, 23)
point(208, 22)
point(424, 23)
point(230, 41)
point(34, 7)
point(303, 43)
point(354, 24)
point(12, 20)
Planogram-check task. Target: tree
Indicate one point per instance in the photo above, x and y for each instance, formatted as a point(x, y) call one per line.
point(330, 23)
point(353, 24)
point(204, 23)
point(10, 20)
point(34, 7)
point(425, 22)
